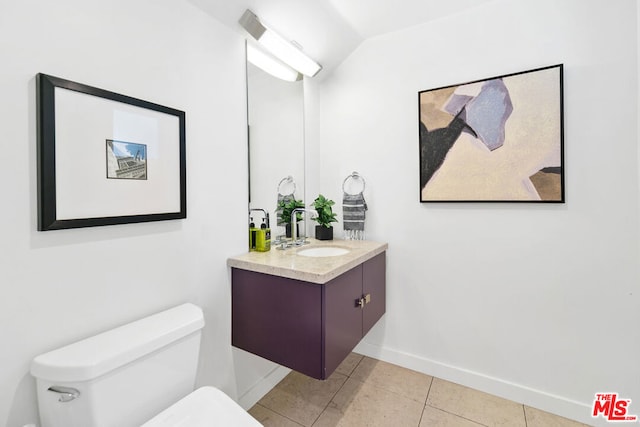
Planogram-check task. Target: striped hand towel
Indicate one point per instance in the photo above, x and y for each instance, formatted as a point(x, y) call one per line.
point(353, 213)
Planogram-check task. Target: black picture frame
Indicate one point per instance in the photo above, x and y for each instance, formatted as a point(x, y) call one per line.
point(73, 122)
point(499, 139)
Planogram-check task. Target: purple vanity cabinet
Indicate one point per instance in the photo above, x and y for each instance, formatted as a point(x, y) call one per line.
point(308, 327)
point(374, 284)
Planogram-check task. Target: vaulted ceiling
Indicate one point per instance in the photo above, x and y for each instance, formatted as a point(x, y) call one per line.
point(371, 18)
point(329, 30)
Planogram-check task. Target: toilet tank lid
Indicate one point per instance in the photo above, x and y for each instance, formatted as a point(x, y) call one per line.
point(99, 354)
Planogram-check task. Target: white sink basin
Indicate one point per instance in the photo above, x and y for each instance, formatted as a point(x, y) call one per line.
point(323, 251)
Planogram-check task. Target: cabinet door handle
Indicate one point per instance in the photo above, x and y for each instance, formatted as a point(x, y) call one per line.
point(363, 300)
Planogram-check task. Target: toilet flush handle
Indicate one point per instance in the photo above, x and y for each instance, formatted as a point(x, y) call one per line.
point(67, 394)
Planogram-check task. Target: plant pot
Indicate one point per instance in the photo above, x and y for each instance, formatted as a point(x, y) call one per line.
point(324, 233)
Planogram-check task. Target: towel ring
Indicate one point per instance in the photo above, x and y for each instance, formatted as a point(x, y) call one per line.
point(287, 180)
point(356, 177)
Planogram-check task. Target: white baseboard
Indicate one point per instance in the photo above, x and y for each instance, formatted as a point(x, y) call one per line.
point(558, 405)
point(262, 387)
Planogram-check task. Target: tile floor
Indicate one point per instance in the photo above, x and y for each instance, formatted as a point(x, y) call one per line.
point(369, 392)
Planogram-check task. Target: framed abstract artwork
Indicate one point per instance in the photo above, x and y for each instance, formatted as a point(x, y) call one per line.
point(106, 158)
point(494, 140)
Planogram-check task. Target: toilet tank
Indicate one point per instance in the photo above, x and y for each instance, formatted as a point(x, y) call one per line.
point(122, 377)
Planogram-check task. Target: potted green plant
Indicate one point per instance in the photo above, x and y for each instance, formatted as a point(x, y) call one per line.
point(285, 209)
point(324, 229)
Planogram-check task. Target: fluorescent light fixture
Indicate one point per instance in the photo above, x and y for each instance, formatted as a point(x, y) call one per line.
point(271, 65)
point(282, 49)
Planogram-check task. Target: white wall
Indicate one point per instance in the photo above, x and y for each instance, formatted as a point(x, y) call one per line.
point(60, 286)
point(538, 303)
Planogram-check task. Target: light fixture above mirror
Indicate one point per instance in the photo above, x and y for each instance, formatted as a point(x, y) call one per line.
point(278, 46)
point(271, 65)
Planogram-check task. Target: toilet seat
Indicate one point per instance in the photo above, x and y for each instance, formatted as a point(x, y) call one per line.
point(205, 407)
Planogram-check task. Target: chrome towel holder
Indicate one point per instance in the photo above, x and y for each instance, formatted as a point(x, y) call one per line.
point(354, 176)
point(287, 180)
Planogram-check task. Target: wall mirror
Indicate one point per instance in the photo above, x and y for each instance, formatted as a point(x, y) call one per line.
point(276, 142)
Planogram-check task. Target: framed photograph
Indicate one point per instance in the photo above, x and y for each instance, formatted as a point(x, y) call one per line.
point(494, 140)
point(106, 158)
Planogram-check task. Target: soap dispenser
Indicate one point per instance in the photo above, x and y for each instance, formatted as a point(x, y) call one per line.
point(263, 236)
point(252, 234)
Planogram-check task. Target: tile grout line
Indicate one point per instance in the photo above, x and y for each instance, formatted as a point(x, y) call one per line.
point(329, 402)
point(444, 410)
point(381, 387)
point(458, 416)
point(337, 391)
point(524, 412)
point(278, 413)
point(426, 399)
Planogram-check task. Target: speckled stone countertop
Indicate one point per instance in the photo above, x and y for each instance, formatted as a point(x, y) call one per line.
point(286, 263)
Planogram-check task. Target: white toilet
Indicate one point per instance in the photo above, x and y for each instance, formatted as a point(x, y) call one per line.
point(140, 374)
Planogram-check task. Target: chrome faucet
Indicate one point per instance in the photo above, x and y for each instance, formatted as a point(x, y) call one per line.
point(294, 239)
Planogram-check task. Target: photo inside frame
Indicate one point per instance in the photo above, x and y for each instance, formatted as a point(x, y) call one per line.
point(126, 160)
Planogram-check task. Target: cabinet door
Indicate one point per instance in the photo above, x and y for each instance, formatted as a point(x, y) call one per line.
point(374, 284)
point(279, 319)
point(342, 318)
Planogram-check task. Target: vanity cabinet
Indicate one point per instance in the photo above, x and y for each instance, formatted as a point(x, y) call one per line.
point(308, 327)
